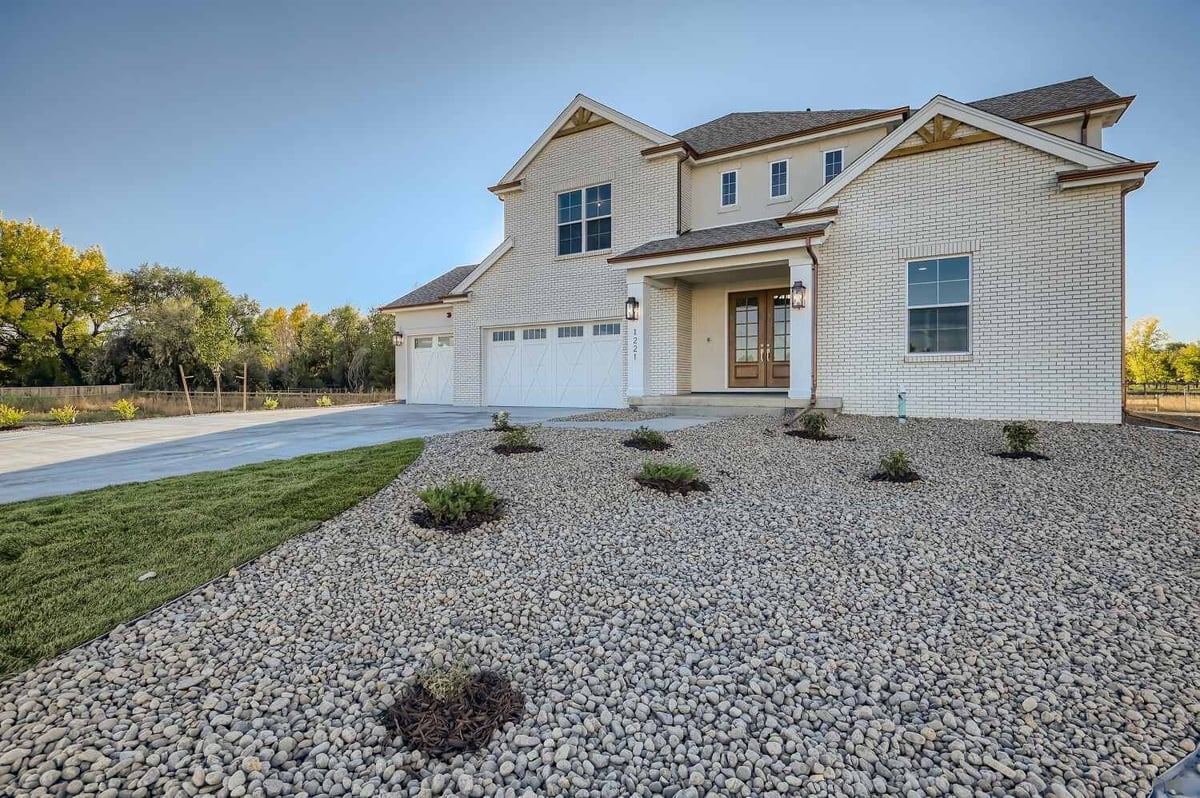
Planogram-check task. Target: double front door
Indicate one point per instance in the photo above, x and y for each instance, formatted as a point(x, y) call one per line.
point(760, 339)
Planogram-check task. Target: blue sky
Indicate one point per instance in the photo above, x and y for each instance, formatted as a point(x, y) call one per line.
point(339, 152)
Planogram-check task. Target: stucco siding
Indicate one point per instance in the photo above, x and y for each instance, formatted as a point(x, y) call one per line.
point(1046, 283)
point(531, 284)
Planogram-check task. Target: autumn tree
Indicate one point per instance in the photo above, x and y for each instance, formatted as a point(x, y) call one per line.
point(54, 300)
point(1145, 355)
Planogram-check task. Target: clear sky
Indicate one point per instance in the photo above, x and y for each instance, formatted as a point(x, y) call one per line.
point(340, 151)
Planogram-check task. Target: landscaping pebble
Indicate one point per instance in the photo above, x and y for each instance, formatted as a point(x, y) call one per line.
point(1003, 627)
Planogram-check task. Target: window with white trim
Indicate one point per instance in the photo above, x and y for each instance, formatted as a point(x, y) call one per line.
point(585, 219)
point(939, 305)
point(533, 334)
point(571, 332)
point(606, 329)
point(729, 189)
point(779, 179)
point(504, 335)
point(833, 164)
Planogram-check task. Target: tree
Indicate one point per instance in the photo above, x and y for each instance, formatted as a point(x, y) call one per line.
point(1145, 358)
point(55, 300)
point(1187, 363)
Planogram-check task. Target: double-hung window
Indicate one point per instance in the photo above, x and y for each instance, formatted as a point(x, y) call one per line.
point(939, 305)
point(833, 164)
point(585, 219)
point(729, 189)
point(779, 179)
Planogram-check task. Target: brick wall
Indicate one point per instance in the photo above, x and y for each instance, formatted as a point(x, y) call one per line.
point(1046, 321)
point(530, 284)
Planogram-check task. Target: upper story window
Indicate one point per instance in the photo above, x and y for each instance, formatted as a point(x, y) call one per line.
point(833, 164)
point(939, 305)
point(779, 179)
point(585, 219)
point(729, 189)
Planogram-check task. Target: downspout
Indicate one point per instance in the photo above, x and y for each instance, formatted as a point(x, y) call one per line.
point(1124, 191)
point(678, 196)
point(813, 256)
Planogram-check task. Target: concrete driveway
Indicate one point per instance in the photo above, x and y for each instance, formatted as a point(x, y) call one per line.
point(58, 460)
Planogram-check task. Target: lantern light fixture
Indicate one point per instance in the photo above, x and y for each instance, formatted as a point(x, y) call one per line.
point(799, 294)
point(398, 338)
point(631, 309)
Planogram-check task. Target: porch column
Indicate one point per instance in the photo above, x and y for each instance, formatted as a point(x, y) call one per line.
point(635, 341)
point(800, 329)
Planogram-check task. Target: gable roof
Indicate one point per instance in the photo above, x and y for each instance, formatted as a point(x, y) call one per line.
point(741, 129)
point(1080, 154)
point(432, 291)
point(1054, 98)
point(598, 108)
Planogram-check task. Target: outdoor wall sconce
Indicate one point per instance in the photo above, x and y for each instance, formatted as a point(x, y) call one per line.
point(398, 338)
point(631, 309)
point(799, 294)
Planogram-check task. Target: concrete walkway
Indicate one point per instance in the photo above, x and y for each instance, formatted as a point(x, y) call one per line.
point(58, 460)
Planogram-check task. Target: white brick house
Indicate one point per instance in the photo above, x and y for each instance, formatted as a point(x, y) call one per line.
point(970, 255)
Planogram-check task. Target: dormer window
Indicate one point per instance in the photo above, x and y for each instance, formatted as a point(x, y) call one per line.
point(585, 219)
point(833, 164)
point(729, 189)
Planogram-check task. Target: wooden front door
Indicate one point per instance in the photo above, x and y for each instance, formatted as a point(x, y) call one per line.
point(759, 339)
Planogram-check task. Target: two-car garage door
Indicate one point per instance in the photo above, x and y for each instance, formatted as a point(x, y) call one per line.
point(569, 365)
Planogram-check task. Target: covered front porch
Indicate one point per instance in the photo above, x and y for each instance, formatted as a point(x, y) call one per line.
point(722, 331)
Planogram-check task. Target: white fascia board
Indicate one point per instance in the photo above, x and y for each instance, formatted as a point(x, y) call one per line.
point(484, 265)
point(799, 138)
point(599, 108)
point(1066, 149)
point(747, 252)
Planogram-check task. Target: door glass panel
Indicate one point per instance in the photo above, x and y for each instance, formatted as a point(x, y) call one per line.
point(745, 329)
point(781, 313)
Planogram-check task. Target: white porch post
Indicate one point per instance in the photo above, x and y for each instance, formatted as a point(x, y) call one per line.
point(801, 333)
point(635, 341)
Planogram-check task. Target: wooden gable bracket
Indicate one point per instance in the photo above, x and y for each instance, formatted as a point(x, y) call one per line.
point(938, 134)
point(583, 119)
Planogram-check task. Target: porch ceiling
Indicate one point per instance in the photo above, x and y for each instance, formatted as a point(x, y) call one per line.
point(778, 271)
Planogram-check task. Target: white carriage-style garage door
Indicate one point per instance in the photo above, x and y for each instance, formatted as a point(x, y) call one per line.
point(556, 365)
point(431, 370)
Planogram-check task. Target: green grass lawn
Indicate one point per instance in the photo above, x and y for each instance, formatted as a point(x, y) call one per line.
point(69, 565)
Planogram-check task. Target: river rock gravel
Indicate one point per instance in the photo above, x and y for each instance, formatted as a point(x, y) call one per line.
point(1001, 628)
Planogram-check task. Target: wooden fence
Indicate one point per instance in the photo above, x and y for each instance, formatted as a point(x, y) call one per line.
point(1163, 402)
point(70, 391)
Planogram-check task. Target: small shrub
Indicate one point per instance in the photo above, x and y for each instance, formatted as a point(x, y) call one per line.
point(125, 409)
point(450, 711)
point(648, 440)
point(10, 417)
point(457, 506)
point(516, 440)
point(671, 477)
point(65, 414)
point(812, 425)
point(500, 421)
point(1020, 436)
point(447, 683)
point(896, 467)
point(270, 403)
point(324, 401)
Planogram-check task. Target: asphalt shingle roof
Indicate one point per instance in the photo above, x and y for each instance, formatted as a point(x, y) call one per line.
point(433, 290)
point(740, 129)
point(1047, 99)
point(715, 237)
point(735, 130)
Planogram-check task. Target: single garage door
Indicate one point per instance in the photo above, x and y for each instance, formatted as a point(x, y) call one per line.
point(567, 365)
point(431, 370)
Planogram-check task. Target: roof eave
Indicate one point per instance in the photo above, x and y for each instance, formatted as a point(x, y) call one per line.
point(878, 116)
